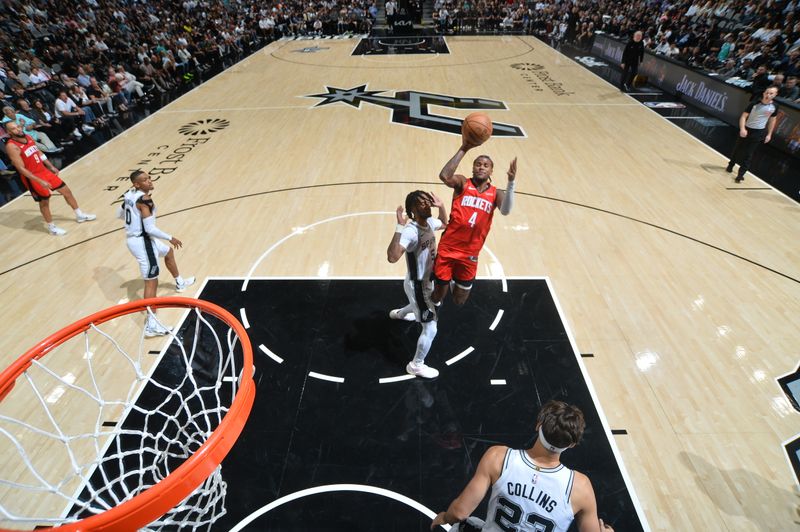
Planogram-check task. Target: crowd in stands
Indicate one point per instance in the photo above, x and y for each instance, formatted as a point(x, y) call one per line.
point(757, 41)
point(74, 73)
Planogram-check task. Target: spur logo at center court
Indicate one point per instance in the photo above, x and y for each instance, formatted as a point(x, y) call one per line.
point(412, 108)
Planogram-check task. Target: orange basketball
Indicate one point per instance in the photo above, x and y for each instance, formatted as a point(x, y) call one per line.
point(476, 129)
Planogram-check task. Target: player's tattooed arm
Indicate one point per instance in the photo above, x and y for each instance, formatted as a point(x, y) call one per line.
point(448, 173)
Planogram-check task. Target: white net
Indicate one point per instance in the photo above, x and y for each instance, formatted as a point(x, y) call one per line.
point(106, 415)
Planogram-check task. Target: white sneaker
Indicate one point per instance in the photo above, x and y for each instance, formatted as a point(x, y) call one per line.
point(156, 329)
point(187, 282)
point(77, 134)
point(87, 129)
point(426, 372)
point(395, 315)
point(83, 217)
point(56, 231)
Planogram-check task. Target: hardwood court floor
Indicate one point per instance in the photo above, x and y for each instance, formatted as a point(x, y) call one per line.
point(686, 292)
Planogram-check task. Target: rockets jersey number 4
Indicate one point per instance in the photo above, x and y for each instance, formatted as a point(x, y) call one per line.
point(470, 220)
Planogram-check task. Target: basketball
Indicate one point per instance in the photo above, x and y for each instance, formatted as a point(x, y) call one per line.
point(476, 129)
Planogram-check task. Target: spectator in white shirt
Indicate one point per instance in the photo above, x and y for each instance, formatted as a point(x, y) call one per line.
point(663, 47)
point(71, 115)
point(128, 83)
point(38, 76)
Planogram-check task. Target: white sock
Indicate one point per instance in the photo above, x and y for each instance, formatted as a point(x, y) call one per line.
point(179, 279)
point(424, 342)
point(50, 225)
point(78, 212)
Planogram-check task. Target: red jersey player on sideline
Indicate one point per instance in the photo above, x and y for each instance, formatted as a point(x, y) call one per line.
point(39, 176)
point(474, 202)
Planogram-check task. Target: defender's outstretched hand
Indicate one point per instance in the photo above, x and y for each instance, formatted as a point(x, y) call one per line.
point(401, 215)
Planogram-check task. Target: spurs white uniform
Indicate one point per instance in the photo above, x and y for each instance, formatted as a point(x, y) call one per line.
point(145, 248)
point(420, 245)
point(529, 497)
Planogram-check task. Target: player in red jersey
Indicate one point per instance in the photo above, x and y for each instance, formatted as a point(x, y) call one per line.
point(39, 176)
point(474, 202)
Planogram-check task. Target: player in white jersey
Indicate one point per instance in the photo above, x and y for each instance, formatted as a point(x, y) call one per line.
point(415, 237)
point(531, 488)
point(145, 242)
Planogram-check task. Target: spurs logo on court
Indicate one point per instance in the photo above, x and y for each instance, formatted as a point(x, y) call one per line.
point(411, 108)
point(203, 127)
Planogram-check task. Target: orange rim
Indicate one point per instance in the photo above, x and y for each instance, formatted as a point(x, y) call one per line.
point(159, 499)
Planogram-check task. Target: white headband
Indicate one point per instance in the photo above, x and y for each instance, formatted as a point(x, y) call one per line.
point(549, 446)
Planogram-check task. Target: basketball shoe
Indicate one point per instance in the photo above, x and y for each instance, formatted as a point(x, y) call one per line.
point(395, 315)
point(180, 287)
point(153, 329)
point(55, 230)
point(421, 370)
point(84, 217)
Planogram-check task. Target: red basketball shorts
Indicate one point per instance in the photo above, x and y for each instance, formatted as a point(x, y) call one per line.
point(462, 269)
point(38, 191)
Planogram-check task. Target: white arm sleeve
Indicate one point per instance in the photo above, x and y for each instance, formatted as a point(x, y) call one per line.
point(151, 229)
point(508, 199)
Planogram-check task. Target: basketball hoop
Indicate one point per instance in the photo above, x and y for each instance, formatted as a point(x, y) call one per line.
point(156, 462)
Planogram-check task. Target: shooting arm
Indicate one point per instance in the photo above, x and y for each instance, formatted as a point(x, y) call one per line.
point(448, 173)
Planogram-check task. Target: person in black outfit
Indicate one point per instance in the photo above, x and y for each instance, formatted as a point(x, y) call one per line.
point(755, 128)
point(760, 83)
point(631, 57)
